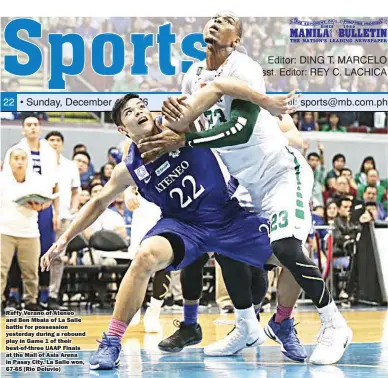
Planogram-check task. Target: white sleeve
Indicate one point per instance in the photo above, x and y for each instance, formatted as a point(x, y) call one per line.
point(114, 220)
point(251, 73)
point(76, 180)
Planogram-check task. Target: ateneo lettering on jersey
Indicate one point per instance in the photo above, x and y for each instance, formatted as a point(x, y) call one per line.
point(186, 184)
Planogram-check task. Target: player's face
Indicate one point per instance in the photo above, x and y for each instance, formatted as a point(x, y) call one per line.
point(222, 30)
point(136, 118)
point(56, 143)
point(18, 161)
point(31, 128)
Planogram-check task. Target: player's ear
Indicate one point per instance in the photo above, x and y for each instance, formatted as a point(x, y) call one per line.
point(236, 42)
point(122, 130)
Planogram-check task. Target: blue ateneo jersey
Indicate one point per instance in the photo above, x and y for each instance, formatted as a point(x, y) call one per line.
point(186, 184)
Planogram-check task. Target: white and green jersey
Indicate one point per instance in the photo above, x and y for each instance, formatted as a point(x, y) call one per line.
point(253, 163)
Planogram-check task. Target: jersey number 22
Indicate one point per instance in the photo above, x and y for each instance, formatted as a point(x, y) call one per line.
point(196, 192)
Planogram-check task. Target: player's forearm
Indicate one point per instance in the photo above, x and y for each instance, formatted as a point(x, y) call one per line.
point(86, 217)
point(238, 89)
point(237, 130)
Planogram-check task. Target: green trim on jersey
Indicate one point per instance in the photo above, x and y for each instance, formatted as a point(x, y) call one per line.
point(299, 212)
point(238, 130)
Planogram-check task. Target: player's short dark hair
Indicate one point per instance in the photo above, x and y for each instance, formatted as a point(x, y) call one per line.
point(118, 107)
point(370, 186)
point(346, 169)
point(338, 156)
point(77, 146)
point(84, 153)
point(312, 154)
point(55, 133)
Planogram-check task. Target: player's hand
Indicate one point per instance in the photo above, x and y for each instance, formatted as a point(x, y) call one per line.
point(153, 147)
point(73, 260)
point(34, 205)
point(131, 199)
point(172, 108)
point(59, 247)
point(278, 105)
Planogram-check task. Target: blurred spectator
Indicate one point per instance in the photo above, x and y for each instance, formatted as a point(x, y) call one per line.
point(106, 173)
point(126, 83)
point(86, 30)
point(331, 212)
point(333, 124)
point(338, 164)
point(19, 225)
point(341, 189)
point(372, 179)
point(295, 118)
point(13, 85)
point(367, 164)
point(114, 156)
point(380, 120)
point(69, 184)
point(345, 234)
point(348, 174)
point(83, 148)
point(347, 119)
point(83, 198)
point(82, 161)
point(370, 195)
point(371, 208)
point(108, 220)
point(366, 119)
point(317, 164)
point(122, 209)
point(42, 160)
point(308, 122)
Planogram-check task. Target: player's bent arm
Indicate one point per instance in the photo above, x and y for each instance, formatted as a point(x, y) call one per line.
point(288, 127)
point(88, 214)
point(237, 130)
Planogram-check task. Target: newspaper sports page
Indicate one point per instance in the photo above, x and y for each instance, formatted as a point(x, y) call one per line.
point(194, 190)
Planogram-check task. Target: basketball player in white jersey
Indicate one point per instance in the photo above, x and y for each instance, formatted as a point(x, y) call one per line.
point(255, 152)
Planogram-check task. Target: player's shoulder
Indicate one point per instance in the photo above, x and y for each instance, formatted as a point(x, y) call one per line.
point(195, 69)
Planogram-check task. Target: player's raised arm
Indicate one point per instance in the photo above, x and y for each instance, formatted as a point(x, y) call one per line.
point(118, 182)
point(200, 101)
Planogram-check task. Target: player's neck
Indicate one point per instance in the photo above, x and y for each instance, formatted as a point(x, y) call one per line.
point(215, 57)
point(33, 144)
point(138, 137)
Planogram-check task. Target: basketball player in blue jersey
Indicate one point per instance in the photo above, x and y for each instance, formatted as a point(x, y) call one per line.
point(198, 216)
